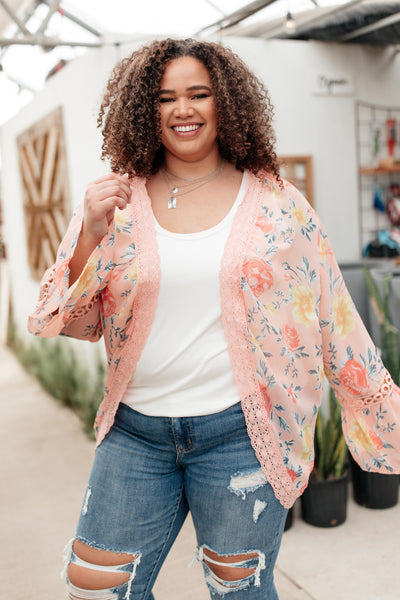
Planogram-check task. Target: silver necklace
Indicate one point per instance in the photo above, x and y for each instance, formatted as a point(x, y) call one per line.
point(193, 184)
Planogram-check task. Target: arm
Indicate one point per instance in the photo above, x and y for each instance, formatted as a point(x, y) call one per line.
point(370, 399)
point(69, 301)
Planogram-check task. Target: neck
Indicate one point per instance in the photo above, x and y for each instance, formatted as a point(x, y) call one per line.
point(192, 170)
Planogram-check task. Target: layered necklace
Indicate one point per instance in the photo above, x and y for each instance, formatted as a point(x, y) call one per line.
point(176, 190)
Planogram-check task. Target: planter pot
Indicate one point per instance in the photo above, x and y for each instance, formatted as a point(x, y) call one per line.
point(374, 490)
point(324, 503)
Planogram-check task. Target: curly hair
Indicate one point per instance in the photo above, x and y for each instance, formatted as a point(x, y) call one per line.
point(131, 103)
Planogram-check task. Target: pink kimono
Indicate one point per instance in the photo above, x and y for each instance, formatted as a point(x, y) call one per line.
point(287, 317)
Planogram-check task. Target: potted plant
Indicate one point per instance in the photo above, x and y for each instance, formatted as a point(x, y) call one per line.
point(380, 490)
point(324, 502)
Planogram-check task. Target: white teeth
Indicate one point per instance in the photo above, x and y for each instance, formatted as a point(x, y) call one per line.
point(184, 128)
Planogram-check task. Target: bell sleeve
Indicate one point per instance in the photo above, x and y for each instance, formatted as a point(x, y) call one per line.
point(74, 310)
point(369, 398)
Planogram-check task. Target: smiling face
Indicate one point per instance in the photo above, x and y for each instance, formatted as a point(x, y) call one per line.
point(188, 111)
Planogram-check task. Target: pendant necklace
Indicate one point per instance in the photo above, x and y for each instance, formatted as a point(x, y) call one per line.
point(193, 184)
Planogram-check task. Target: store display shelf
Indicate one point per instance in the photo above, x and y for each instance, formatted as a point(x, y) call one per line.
point(380, 170)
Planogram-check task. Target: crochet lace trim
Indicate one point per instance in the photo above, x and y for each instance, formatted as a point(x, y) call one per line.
point(45, 287)
point(146, 298)
point(383, 392)
point(235, 326)
point(83, 310)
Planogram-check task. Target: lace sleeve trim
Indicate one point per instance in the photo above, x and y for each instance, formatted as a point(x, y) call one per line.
point(81, 311)
point(45, 287)
point(384, 390)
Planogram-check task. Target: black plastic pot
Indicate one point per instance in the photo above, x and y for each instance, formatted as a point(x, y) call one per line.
point(324, 503)
point(374, 490)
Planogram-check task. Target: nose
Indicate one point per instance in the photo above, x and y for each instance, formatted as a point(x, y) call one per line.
point(183, 108)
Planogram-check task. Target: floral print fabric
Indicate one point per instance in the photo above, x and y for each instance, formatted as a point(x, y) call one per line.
point(287, 316)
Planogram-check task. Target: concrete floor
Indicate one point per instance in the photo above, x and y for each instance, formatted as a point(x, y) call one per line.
point(45, 464)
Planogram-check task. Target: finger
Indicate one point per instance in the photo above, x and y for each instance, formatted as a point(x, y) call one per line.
point(116, 185)
point(111, 177)
point(110, 203)
point(106, 190)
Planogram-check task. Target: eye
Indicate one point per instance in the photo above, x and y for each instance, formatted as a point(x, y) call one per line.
point(166, 99)
point(200, 96)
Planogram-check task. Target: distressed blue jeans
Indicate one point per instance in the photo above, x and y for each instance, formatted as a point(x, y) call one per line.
point(149, 472)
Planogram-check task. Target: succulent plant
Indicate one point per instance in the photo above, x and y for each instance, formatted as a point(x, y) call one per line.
point(329, 443)
point(389, 340)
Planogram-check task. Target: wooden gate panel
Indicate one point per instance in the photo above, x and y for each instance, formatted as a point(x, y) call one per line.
point(43, 168)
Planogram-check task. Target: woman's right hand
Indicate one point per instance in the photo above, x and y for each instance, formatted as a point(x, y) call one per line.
point(102, 197)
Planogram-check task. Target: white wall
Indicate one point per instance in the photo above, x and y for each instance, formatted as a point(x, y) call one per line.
point(306, 123)
point(78, 89)
point(321, 125)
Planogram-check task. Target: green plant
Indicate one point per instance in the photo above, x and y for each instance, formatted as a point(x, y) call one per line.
point(329, 443)
point(62, 375)
point(389, 340)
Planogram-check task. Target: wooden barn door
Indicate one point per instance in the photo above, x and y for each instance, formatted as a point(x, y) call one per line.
point(42, 160)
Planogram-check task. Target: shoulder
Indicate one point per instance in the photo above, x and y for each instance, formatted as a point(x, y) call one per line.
point(281, 196)
point(283, 210)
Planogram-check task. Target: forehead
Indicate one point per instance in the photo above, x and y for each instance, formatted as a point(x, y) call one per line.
point(184, 72)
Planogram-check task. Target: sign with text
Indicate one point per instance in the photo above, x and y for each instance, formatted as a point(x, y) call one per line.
point(333, 85)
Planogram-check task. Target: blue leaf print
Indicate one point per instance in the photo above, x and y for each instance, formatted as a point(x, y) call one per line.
point(282, 424)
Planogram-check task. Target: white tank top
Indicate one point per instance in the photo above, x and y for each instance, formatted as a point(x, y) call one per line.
point(184, 369)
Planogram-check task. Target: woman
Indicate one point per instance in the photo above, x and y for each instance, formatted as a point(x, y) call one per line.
point(222, 307)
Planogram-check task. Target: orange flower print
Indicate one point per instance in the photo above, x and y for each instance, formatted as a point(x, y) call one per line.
point(290, 338)
point(292, 394)
point(87, 278)
point(363, 437)
point(258, 275)
point(292, 474)
point(376, 440)
point(303, 304)
point(266, 225)
point(299, 214)
point(266, 398)
point(343, 315)
point(108, 303)
point(353, 377)
point(60, 273)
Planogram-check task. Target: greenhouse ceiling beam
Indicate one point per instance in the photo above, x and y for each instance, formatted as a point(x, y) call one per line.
point(391, 20)
point(238, 15)
point(305, 24)
point(53, 7)
point(216, 7)
point(45, 42)
point(13, 16)
point(39, 38)
point(75, 20)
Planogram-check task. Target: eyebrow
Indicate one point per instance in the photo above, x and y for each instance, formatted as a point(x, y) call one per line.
point(189, 89)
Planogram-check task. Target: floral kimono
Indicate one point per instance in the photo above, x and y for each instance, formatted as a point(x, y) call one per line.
point(286, 313)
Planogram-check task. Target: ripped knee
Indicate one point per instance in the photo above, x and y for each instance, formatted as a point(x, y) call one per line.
point(92, 573)
point(225, 572)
